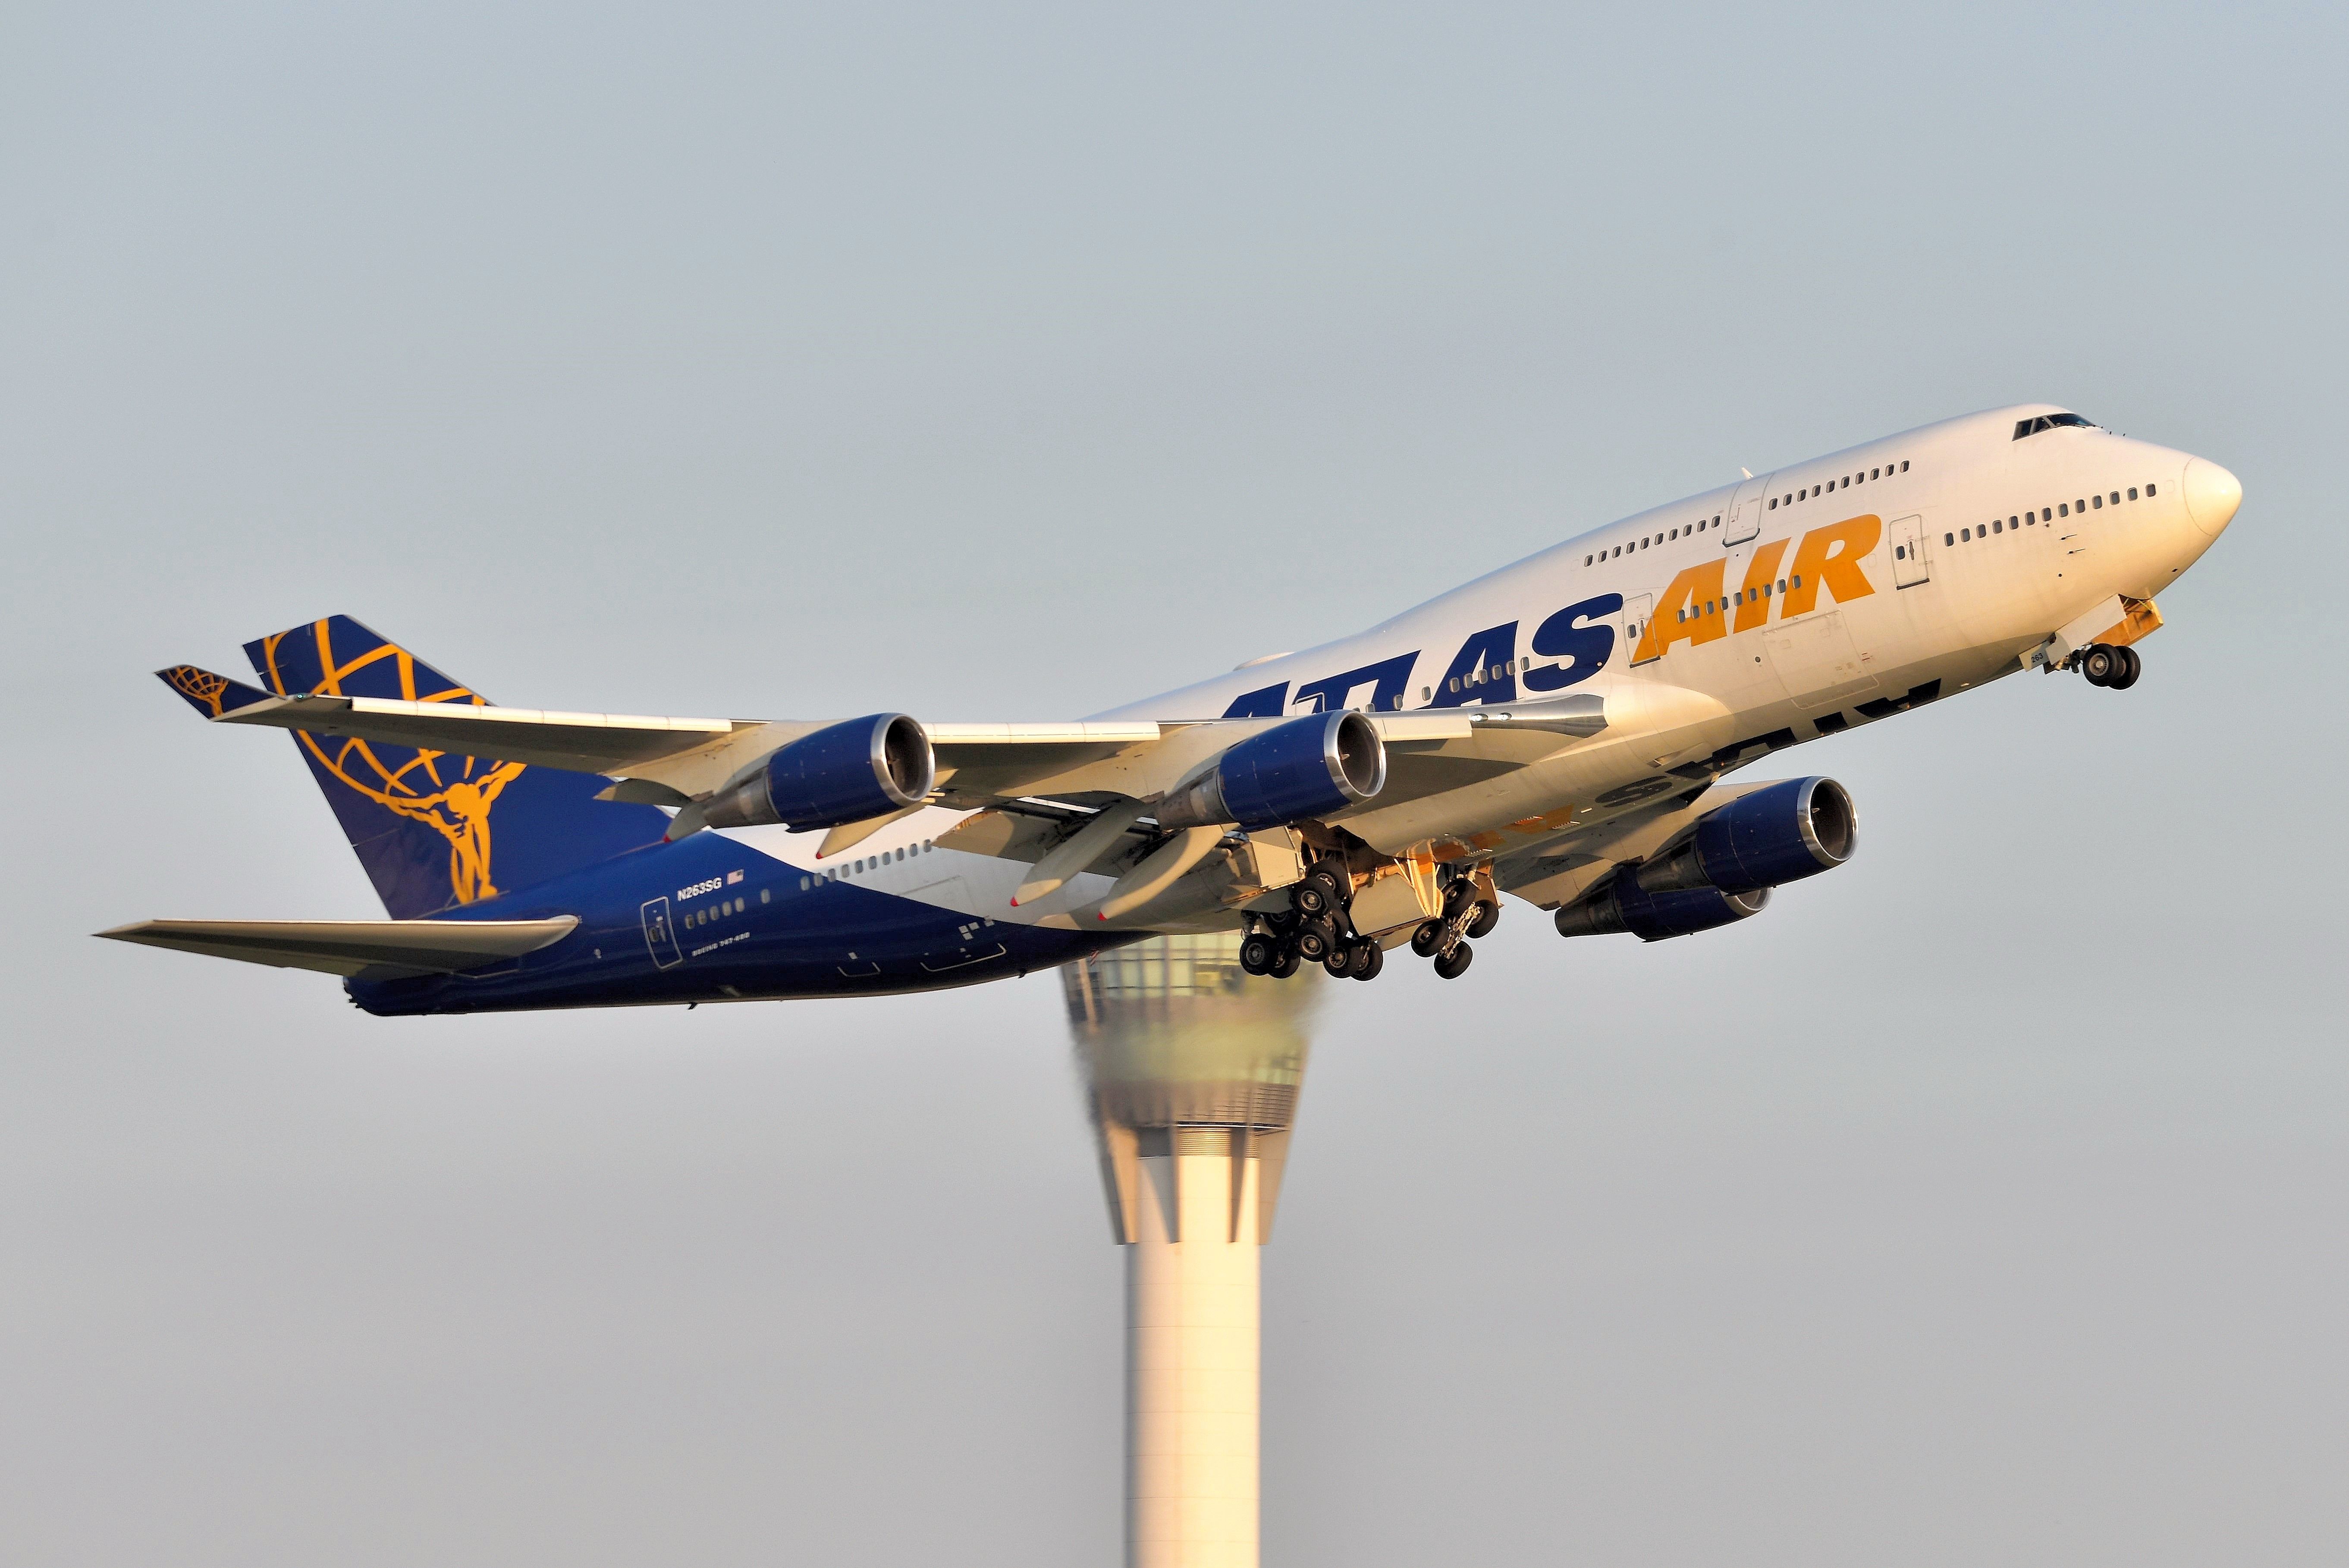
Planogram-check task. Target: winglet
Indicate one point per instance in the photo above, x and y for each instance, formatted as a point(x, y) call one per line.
point(209, 694)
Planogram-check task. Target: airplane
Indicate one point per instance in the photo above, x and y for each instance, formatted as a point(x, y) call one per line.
point(1564, 730)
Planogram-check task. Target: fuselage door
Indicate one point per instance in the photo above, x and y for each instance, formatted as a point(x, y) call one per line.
point(1636, 610)
point(660, 935)
point(1746, 509)
point(1909, 565)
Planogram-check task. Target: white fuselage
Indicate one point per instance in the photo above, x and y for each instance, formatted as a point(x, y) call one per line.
point(1763, 614)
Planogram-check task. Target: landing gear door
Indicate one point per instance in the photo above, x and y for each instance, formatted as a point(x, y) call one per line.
point(1635, 611)
point(1909, 565)
point(1744, 519)
point(660, 935)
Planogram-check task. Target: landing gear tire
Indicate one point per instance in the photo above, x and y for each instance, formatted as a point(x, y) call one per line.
point(1365, 961)
point(1257, 955)
point(2100, 665)
point(1339, 962)
point(1322, 893)
point(2132, 666)
point(1286, 964)
point(1458, 895)
point(1429, 938)
point(1315, 896)
point(1488, 915)
point(1454, 964)
point(1316, 940)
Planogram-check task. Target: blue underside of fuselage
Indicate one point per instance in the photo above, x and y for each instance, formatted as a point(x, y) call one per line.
point(639, 942)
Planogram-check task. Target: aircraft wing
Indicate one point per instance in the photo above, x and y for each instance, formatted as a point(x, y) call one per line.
point(581, 742)
point(380, 949)
point(676, 761)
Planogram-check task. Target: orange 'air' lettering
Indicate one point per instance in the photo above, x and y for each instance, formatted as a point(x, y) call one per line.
point(1754, 605)
point(1829, 557)
point(1687, 596)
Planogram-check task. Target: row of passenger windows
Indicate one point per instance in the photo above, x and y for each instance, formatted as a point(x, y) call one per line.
point(868, 863)
point(1848, 480)
point(1749, 595)
point(1476, 677)
point(709, 912)
point(1699, 526)
point(1702, 524)
point(2044, 514)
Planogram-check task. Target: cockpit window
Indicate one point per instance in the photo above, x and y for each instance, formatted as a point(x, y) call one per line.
point(2052, 422)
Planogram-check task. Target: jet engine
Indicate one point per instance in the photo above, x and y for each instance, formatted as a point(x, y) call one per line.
point(1306, 768)
point(1724, 870)
point(1781, 833)
point(1625, 906)
point(844, 773)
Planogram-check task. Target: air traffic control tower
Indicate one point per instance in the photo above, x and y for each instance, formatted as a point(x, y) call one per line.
point(1191, 1072)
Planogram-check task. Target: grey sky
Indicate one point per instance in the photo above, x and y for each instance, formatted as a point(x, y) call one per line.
point(1983, 1202)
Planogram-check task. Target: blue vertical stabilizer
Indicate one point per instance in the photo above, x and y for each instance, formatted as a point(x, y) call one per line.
point(436, 831)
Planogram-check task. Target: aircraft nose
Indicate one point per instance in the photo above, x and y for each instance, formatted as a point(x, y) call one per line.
point(2211, 495)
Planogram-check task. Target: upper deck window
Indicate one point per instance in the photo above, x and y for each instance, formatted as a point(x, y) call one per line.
point(2052, 422)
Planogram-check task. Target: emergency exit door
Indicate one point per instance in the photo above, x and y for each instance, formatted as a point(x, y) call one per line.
point(660, 935)
point(1746, 509)
point(1636, 610)
point(1909, 565)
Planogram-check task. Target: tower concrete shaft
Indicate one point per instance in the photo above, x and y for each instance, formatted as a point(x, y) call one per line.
point(1191, 1303)
point(1193, 1069)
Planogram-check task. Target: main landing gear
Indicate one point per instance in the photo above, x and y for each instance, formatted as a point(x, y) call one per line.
point(2102, 664)
point(1467, 913)
point(1315, 928)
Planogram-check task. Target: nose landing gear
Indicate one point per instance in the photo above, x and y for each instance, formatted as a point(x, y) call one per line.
point(2102, 664)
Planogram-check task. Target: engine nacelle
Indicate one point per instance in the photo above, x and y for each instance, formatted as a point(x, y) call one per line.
point(1306, 768)
point(844, 773)
point(1781, 833)
point(1625, 906)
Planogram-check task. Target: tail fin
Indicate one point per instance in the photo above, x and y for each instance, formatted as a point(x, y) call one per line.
point(434, 830)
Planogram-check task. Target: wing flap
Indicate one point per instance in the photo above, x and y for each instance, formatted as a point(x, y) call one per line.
point(1000, 760)
point(374, 948)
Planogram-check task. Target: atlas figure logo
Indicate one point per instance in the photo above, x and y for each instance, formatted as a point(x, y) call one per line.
point(453, 797)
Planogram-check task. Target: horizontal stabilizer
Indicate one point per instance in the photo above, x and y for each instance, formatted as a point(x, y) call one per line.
point(209, 694)
point(583, 742)
point(378, 948)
